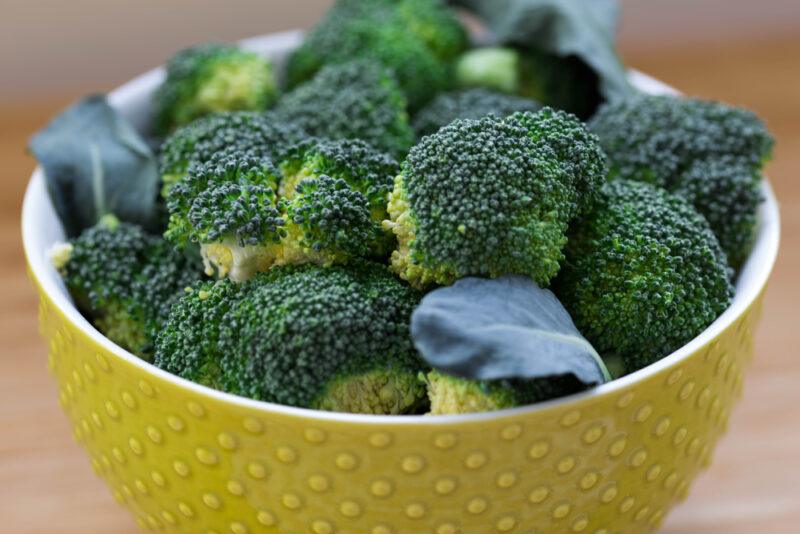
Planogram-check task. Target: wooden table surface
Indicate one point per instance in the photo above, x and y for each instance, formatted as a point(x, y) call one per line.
point(46, 484)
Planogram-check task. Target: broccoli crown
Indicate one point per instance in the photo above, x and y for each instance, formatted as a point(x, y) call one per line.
point(453, 395)
point(222, 134)
point(727, 192)
point(332, 338)
point(340, 217)
point(227, 198)
point(355, 100)
point(125, 280)
point(644, 273)
point(211, 78)
point(383, 35)
point(325, 207)
point(468, 104)
point(565, 83)
point(364, 168)
point(326, 217)
point(578, 150)
point(435, 24)
point(186, 345)
point(485, 198)
point(656, 138)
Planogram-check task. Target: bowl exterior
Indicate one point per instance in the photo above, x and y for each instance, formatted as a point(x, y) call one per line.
point(184, 461)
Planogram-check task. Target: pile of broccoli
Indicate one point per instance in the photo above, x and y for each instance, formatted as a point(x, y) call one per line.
point(307, 219)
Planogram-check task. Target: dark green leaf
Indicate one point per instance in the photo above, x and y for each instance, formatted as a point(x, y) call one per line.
point(94, 164)
point(581, 28)
point(502, 329)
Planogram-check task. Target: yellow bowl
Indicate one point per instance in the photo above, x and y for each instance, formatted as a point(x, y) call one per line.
point(185, 458)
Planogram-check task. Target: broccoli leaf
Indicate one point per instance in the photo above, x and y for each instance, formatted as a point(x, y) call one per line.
point(581, 28)
point(94, 164)
point(502, 329)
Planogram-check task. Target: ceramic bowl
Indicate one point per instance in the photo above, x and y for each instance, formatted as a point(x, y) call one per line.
point(185, 458)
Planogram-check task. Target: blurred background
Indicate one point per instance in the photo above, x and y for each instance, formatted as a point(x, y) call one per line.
point(49, 47)
point(52, 51)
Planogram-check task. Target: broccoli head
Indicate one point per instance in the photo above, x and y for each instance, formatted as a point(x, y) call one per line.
point(327, 222)
point(490, 197)
point(355, 100)
point(367, 173)
point(125, 281)
point(577, 149)
point(434, 23)
point(644, 274)
point(453, 395)
point(468, 104)
point(565, 83)
point(381, 32)
point(228, 206)
point(334, 338)
point(727, 192)
point(211, 78)
point(325, 206)
point(221, 134)
point(186, 345)
point(654, 139)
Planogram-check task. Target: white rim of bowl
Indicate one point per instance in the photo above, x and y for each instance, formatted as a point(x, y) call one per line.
point(752, 278)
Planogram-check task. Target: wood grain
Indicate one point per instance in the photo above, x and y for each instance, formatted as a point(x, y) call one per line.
point(46, 484)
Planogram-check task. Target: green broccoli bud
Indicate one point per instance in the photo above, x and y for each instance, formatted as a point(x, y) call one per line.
point(578, 150)
point(216, 136)
point(125, 280)
point(186, 346)
point(411, 38)
point(490, 197)
point(727, 192)
point(327, 222)
point(644, 273)
point(565, 83)
point(364, 169)
point(333, 338)
point(453, 395)
point(468, 104)
point(656, 138)
point(355, 100)
point(228, 207)
point(210, 78)
point(435, 24)
point(325, 206)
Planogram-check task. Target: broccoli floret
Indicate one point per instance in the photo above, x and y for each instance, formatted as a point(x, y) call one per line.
point(383, 35)
point(333, 338)
point(656, 138)
point(453, 395)
point(125, 280)
point(327, 222)
point(491, 197)
point(186, 346)
point(211, 78)
point(434, 23)
point(565, 83)
point(366, 171)
point(364, 168)
point(253, 134)
point(644, 274)
point(578, 150)
point(355, 100)
point(228, 206)
point(468, 104)
point(727, 192)
point(326, 206)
